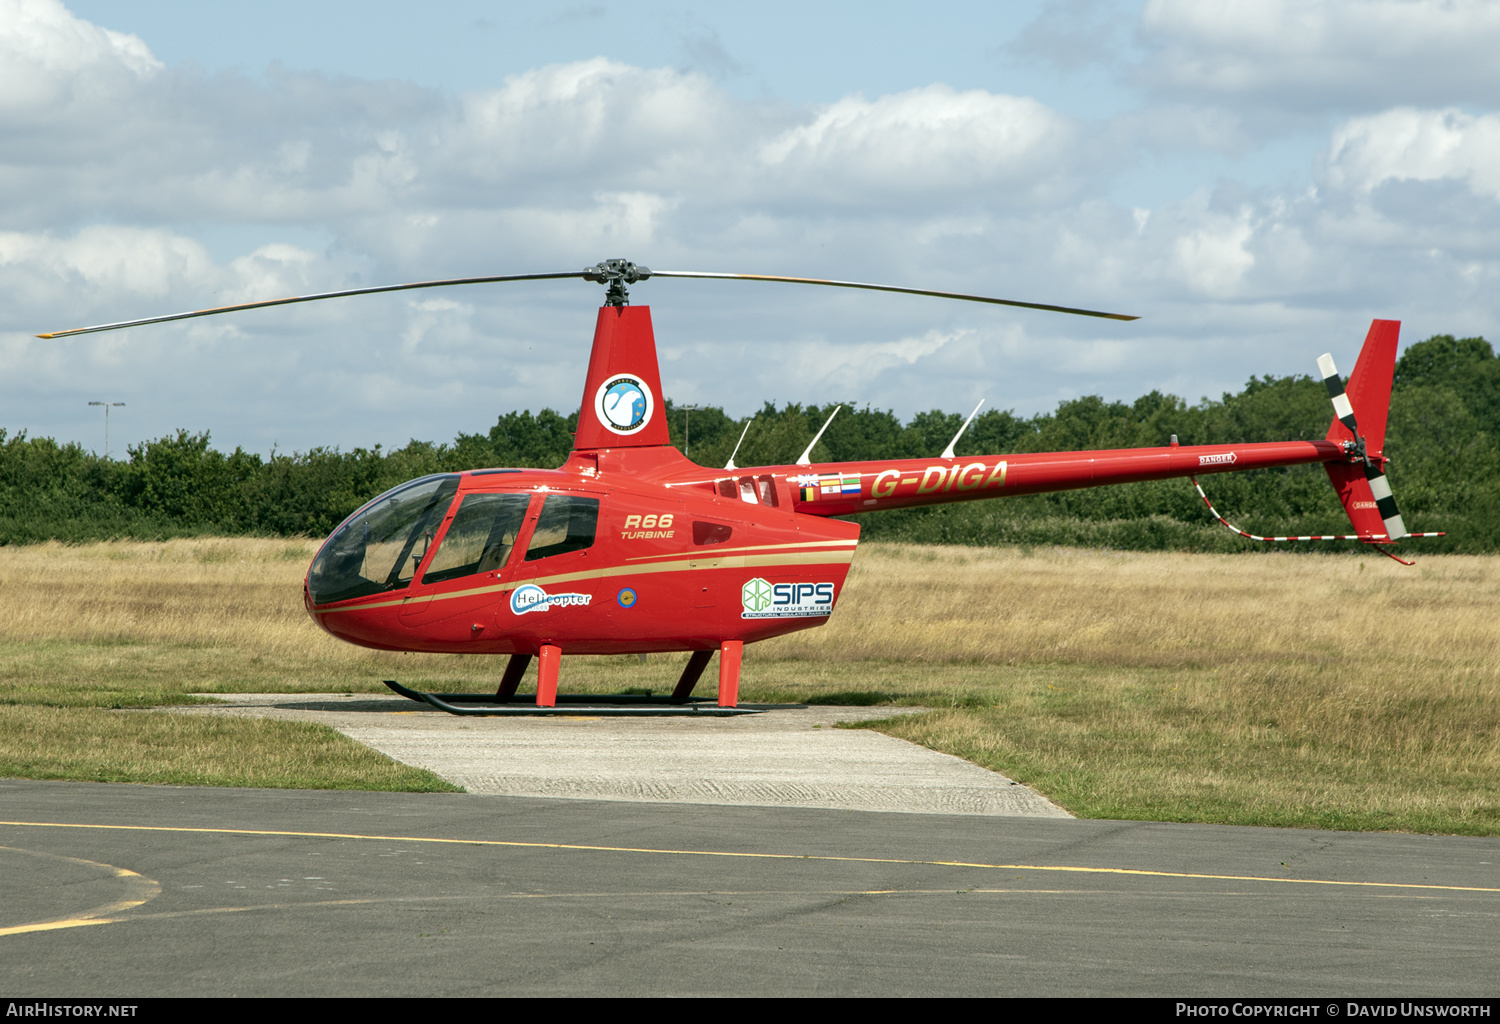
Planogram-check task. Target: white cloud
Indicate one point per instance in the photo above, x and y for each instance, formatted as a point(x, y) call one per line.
point(1213, 258)
point(911, 143)
point(48, 57)
point(1407, 144)
point(271, 270)
point(556, 125)
point(1317, 54)
point(117, 203)
point(105, 262)
point(849, 370)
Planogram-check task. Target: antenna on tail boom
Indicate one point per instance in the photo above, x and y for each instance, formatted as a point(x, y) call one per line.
point(806, 459)
point(948, 451)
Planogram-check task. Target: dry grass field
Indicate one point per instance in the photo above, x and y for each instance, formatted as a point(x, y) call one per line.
point(1326, 690)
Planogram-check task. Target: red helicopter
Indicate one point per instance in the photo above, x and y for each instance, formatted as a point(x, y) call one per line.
point(630, 548)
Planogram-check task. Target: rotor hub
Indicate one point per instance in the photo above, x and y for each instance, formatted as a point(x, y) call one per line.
point(615, 275)
point(1358, 451)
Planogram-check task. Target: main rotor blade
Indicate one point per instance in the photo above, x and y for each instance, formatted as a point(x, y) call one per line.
point(893, 288)
point(590, 274)
point(311, 298)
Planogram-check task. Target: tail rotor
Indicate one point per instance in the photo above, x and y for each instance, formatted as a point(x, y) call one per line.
point(1359, 477)
point(1357, 450)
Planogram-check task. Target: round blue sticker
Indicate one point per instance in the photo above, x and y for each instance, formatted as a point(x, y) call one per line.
point(623, 403)
point(626, 598)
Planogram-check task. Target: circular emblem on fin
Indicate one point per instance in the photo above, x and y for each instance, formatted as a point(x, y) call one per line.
point(624, 404)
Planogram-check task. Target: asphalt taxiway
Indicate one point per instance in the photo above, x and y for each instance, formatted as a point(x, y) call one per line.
point(120, 890)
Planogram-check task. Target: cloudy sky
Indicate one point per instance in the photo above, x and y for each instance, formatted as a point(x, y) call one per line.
point(1256, 180)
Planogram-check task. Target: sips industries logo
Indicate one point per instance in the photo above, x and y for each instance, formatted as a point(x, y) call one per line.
point(761, 599)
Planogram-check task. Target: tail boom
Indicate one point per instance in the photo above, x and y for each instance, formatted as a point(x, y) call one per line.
point(847, 488)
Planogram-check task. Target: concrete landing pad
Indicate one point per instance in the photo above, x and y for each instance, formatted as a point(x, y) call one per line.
point(790, 756)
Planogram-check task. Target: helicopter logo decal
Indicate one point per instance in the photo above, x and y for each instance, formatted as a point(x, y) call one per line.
point(624, 404)
point(531, 598)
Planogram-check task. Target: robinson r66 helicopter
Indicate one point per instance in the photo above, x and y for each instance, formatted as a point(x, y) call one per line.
point(630, 548)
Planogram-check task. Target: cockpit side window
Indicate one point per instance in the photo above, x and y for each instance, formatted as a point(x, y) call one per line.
point(567, 523)
point(379, 549)
point(480, 538)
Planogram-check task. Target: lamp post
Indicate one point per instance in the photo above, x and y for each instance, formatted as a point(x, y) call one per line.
point(687, 427)
point(106, 423)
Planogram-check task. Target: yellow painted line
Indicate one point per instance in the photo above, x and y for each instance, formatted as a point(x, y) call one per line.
point(601, 894)
point(668, 893)
point(679, 564)
point(606, 894)
point(265, 906)
point(47, 926)
point(515, 844)
point(140, 890)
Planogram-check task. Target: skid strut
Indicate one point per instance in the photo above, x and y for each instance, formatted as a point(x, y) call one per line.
point(514, 670)
point(1374, 540)
point(546, 700)
point(691, 673)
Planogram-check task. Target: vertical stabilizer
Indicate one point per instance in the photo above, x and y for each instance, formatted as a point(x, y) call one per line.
point(622, 401)
point(1360, 411)
point(1358, 498)
point(1369, 387)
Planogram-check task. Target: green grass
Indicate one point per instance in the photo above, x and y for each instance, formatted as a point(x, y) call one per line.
point(1163, 744)
point(1141, 745)
point(98, 745)
point(1319, 692)
point(1103, 741)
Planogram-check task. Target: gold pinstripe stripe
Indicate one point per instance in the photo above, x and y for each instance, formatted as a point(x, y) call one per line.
point(765, 547)
point(679, 565)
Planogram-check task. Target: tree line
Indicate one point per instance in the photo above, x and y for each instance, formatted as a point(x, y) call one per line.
point(1442, 440)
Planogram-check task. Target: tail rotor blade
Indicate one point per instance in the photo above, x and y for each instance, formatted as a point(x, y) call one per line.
point(1385, 501)
point(1380, 487)
point(1335, 385)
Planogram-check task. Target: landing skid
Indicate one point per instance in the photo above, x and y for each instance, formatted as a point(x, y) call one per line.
point(594, 705)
